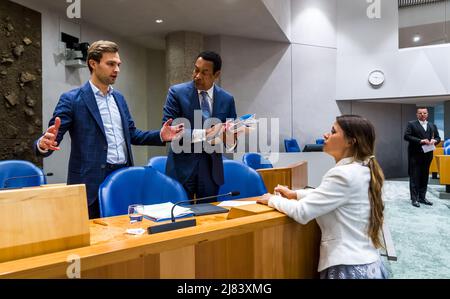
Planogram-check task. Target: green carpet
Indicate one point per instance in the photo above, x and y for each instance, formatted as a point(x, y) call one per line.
point(421, 236)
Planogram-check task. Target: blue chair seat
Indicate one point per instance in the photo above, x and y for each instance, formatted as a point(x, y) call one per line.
point(19, 173)
point(158, 163)
point(291, 145)
point(256, 161)
point(447, 150)
point(240, 177)
point(137, 185)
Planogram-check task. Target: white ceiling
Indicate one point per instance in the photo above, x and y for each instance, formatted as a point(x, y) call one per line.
point(135, 19)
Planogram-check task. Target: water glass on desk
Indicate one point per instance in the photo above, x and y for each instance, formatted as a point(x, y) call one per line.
point(135, 212)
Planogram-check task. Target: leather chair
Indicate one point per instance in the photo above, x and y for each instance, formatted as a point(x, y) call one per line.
point(443, 165)
point(446, 143)
point(240, 177)
point(320, 141)
point(137, 185)
point(256, 161)
point(158, 163)
point(30, 175)
point(291, 145)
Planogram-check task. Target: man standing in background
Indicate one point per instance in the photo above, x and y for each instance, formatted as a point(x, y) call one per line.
point(422, 136)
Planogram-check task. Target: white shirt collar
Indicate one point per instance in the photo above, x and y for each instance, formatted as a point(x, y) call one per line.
point(209, 91)
point(423, 122)
point(96, 90)
point(345, 161)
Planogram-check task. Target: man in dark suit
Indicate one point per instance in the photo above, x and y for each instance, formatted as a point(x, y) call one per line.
point(420, 133)
point(200, 171)
point(100, 126)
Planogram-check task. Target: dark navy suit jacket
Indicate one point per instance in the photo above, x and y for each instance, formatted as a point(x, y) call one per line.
point(182, 100)
point(80, 116)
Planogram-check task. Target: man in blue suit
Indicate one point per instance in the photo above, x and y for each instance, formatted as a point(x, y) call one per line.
point(199, 171)
point(100, 126)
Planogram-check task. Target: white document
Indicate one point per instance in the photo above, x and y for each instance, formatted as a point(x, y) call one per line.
point(160, 212)
point(428, 148)
point(135, 231)
point(244, 124)
point(236, 203)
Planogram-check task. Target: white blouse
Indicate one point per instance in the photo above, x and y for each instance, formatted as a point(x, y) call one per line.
point(341, 207)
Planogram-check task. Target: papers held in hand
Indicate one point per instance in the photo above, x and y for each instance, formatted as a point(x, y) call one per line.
point(428, 148)
point(161, 212)
point(244, 123)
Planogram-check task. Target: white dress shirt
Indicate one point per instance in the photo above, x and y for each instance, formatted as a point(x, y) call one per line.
point(341, 207)
point(424, 124)
point(112, 123)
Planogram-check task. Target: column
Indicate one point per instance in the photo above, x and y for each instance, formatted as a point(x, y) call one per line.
point(182, 48)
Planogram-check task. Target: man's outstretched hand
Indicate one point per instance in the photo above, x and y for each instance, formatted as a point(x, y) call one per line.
point(48, 141)
point(169, 133)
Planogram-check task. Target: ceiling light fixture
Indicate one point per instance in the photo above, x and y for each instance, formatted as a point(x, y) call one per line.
point(159, 21)
point(416, 38)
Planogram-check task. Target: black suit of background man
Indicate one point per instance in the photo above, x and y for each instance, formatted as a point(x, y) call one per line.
point(419, 161)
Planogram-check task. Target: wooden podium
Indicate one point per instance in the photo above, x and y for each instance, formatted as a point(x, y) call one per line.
point(45, 219)
point(294, 176)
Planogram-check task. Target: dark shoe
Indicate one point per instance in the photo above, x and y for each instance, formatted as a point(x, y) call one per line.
point(415, 203)
point(426, 202)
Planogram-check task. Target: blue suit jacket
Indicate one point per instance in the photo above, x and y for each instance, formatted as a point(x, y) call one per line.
point(80, 116)
point(182, 100)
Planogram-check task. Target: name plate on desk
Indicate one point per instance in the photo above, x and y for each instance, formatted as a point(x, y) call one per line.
point(248, 210)
point(40, 220)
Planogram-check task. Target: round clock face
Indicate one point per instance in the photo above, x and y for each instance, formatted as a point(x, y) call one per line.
point(376, 78)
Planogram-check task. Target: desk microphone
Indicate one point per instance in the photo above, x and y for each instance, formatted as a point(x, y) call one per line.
point(187, 223)
point(5, 183)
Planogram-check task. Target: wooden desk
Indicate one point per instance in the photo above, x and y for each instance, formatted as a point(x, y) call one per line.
point(433, 166)
point(266, 245)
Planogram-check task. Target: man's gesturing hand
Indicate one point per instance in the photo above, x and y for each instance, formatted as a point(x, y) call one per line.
point(169, 133)
point(48, 141)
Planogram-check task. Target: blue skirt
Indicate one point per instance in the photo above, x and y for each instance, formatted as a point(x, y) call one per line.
point(375, 270)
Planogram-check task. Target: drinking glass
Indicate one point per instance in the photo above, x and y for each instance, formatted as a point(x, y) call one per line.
point(135, 212)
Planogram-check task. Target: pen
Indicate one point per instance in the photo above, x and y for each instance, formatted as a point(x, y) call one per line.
point(98, 221)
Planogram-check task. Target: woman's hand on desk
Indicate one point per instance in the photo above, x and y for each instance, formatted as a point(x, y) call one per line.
point(285, 192)
point(264, 200)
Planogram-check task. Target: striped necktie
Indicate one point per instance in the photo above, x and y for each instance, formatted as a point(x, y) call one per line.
point(206, 112)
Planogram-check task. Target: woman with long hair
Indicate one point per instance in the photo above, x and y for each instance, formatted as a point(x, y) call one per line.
point(347, 204)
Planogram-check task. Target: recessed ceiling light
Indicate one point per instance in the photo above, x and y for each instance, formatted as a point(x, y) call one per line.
point(159, 21)
point(416, 38)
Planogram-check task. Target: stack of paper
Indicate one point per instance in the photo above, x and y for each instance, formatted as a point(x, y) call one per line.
point(161, 212)
point(236, 203)
point(243, 124)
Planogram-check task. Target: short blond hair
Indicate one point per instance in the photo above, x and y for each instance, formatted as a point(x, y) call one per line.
point(97, 49)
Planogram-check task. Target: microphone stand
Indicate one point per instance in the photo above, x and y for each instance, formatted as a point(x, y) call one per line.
point(173, 225)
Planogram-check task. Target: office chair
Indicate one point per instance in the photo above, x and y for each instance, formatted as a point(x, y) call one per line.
point(447, 150)
point(320, 141)
point(158, 163)
point(240, 177)
point(291, 145)
point(256, 161)
point(20, 173)
point(446, 143)
point(137, 185)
